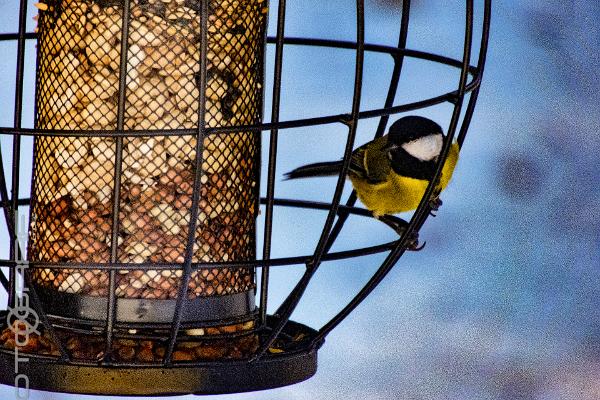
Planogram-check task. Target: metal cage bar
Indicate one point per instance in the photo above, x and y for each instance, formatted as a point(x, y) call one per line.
point(389, 101)
point(483, 46)
point(279, 38)
point(16, 149)
point(7, 283)
point(111, 310)
point(288, 306)
point(423, 210)
point(201, 132)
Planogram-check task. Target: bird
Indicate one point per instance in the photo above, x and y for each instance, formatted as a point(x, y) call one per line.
point(391, 173)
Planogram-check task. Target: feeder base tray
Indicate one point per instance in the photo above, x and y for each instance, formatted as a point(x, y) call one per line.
point(216, 377)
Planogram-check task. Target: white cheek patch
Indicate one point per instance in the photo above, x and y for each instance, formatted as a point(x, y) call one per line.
point(425, 148)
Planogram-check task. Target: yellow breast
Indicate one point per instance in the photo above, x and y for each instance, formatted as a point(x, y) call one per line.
point(399, 193)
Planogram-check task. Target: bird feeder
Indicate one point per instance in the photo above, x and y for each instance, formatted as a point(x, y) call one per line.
point(140, 273)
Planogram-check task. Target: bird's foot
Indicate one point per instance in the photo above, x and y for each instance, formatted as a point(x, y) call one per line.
point(399, 226)
point(412, 243)
point(434, 204)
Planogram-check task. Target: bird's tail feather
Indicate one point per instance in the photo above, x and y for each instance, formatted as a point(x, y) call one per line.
point(316, 169)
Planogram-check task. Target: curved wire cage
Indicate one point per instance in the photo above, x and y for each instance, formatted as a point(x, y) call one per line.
point(180, 342)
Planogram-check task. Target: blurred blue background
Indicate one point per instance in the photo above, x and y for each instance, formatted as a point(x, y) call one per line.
point(503, 302)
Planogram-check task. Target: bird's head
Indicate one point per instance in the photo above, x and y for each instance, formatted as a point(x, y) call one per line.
point(420, 137)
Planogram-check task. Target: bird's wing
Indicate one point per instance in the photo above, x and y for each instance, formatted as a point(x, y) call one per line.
point(370, 162)
point(357, 163)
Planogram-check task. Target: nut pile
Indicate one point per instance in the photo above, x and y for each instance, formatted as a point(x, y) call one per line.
point(79, 54)
point(92, 348)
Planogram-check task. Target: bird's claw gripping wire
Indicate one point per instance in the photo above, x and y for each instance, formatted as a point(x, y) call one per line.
point(412, 243)
point(399, 226)
point(434, 204)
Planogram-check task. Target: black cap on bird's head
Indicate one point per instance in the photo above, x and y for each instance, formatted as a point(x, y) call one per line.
point(413, 127)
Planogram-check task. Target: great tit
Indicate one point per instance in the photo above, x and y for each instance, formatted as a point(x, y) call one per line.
point(390, 174)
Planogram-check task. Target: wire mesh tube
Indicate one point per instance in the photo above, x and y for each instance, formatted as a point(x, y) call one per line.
point(77, 87)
